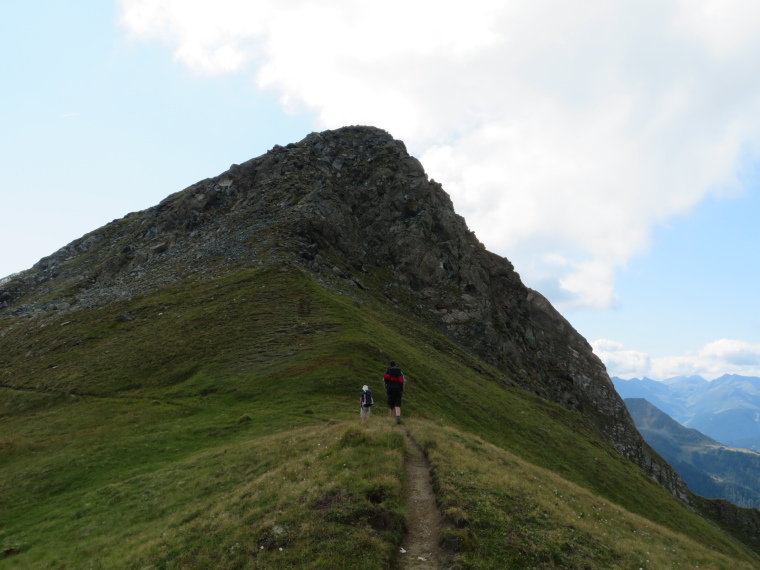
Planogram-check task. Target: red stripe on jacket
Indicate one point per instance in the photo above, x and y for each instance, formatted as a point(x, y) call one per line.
point(388, 378)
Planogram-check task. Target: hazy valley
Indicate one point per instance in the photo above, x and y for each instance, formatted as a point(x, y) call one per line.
point(726, 409)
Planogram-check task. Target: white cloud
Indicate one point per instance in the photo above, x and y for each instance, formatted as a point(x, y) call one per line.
point(563, 131)
point(620, 362)
point(713, 360)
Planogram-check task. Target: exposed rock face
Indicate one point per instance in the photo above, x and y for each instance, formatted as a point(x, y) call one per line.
point(345, 205)
point(745, 521)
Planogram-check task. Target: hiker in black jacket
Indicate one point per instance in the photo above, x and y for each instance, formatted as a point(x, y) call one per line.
point(394, 387)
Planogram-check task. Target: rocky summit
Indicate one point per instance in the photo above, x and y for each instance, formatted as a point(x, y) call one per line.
point(348, 207)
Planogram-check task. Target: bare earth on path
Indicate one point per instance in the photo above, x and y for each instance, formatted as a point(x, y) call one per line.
point(423, 518)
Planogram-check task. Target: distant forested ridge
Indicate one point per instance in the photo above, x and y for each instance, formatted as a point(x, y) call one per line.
point(709, 468)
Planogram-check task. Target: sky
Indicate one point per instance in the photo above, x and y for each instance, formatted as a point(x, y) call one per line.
point(609, 149)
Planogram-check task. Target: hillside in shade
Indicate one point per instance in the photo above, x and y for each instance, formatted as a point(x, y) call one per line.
point(179, 389)
point(709, 468)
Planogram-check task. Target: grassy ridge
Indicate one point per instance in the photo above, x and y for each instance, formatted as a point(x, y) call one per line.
point(251, 499)
point(508, 513)
point(205, 425)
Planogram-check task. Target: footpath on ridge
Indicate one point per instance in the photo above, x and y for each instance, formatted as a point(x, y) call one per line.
point(420, 547)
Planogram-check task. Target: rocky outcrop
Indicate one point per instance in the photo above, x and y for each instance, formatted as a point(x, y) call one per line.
point(351, 207)
point(739, 521)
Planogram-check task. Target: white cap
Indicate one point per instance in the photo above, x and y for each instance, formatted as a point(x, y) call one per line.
point(365, 388)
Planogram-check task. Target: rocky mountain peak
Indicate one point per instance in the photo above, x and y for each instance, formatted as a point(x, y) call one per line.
point(354, 210)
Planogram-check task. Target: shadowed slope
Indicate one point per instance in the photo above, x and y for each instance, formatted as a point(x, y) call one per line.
point(708, 467)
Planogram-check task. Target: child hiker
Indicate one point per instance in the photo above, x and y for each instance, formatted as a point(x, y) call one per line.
point(365, 403)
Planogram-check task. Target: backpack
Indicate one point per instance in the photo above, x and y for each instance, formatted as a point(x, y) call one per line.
point(368, 398)
point(393, 376)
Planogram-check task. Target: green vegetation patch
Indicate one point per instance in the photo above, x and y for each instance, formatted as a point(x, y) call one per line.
point(503, 512)
point(317, 497)
point(187, 337)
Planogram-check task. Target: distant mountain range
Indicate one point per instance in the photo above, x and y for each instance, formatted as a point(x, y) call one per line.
point(709, 468)
point(727, 409)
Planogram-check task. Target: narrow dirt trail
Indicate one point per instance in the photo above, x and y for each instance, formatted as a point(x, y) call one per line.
point(423, 519)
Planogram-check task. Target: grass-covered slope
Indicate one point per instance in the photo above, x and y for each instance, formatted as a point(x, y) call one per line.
point(215, 424)
point(508, 513)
